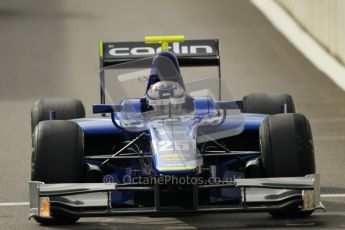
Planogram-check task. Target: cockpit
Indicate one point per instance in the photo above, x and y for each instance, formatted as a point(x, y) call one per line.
point(165, 90)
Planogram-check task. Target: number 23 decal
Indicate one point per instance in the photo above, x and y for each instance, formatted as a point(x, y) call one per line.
point(173, 145)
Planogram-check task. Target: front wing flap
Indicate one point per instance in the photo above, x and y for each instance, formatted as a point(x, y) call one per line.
point(94, 199)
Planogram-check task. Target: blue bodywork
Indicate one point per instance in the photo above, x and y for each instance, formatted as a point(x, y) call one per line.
point(204, 109)
point(104, 126)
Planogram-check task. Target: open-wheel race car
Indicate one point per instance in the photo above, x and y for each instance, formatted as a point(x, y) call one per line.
point(161, 144)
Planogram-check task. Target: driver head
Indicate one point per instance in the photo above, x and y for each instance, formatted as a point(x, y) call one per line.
point(165, 89)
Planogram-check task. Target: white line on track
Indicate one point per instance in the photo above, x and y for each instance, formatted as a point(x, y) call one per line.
point(332, 195)
point(300, 224)
point(311, 49)
point(12, 204)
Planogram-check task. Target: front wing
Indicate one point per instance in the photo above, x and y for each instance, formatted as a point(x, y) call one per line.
point(94, 199)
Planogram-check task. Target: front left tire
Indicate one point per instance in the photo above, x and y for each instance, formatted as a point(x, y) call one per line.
point(287, 151)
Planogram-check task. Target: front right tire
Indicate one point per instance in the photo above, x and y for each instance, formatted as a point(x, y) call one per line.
point(58, 157)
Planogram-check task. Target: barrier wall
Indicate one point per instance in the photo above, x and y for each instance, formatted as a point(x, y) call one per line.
point(323, 19)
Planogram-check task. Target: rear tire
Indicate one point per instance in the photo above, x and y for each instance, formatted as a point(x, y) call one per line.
point(58, 157)
point(287, 151)
point(268, 103)
point(65, 109)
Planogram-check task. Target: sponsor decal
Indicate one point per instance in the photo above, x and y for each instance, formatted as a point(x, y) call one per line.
point(176, 48)
point(140, 49)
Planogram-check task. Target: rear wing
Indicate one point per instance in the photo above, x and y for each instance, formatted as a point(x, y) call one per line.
point(190, 53)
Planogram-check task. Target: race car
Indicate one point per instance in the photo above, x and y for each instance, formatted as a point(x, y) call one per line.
point(164, 142)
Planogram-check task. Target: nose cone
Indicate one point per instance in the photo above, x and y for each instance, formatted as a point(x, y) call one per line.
point(174, 145)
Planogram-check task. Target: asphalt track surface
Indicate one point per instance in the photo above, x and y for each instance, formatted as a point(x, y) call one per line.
point(50, 49)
